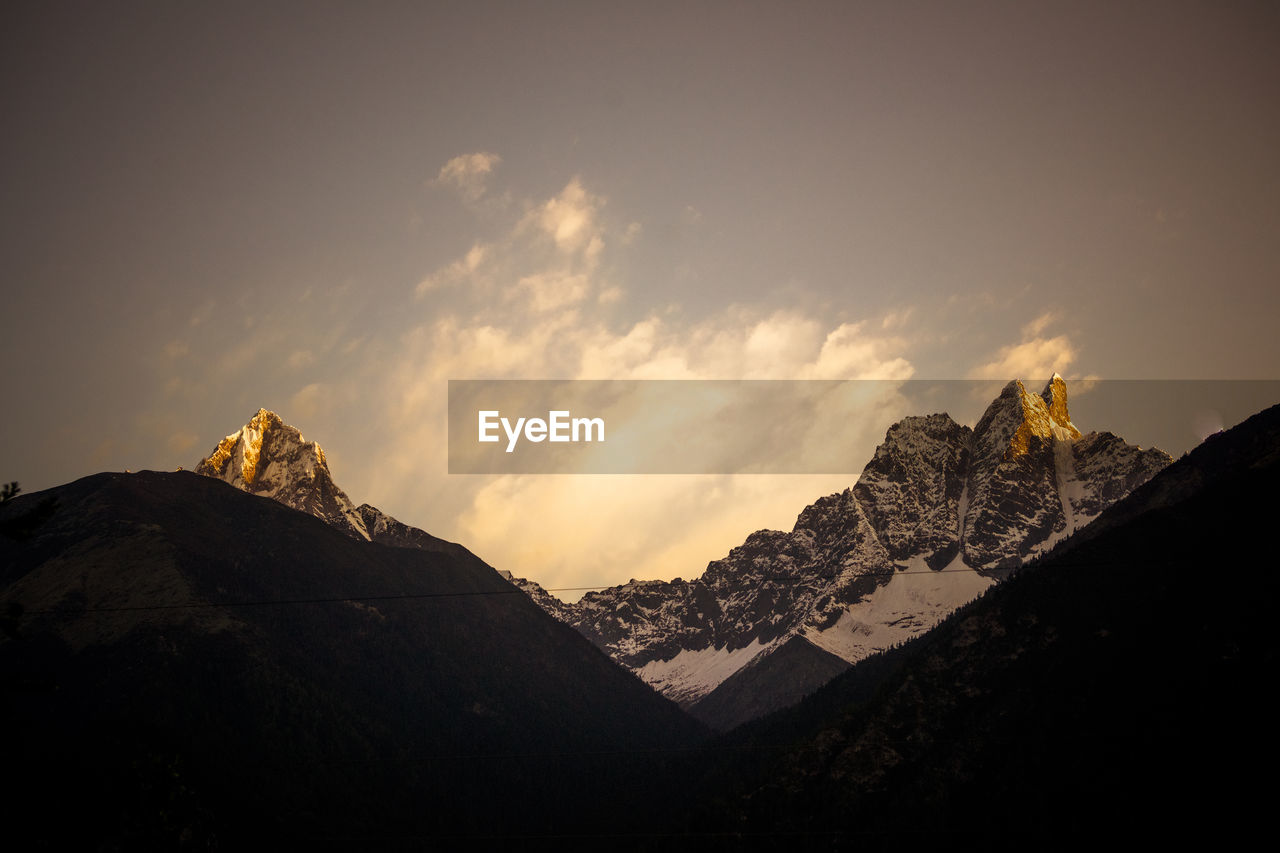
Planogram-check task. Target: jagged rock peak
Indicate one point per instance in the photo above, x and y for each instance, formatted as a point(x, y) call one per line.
point(1032, 421)
point(1055, 398)
point(238, 458)
point(268, 457)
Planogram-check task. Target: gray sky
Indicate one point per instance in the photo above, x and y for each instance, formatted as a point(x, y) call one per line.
point(330, 211)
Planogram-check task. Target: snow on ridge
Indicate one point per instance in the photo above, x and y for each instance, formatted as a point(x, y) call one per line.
point(692, 674)
point(913, 601)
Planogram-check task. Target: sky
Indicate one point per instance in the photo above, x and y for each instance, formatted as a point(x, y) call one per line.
point(331, 209)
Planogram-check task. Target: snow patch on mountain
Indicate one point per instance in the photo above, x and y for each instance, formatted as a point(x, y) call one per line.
point(692, 674)
point(912, 602)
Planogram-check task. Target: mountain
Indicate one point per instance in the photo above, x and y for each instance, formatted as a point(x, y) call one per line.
point(268, 458)
point(1116, 689)
point(185, 664)
point(939, 513)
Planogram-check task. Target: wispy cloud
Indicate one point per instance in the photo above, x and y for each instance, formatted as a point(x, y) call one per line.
point(1036, 355)
point(461, 271)
point(182, 442)
point(299, 359)
point(202, 314)
point(309, 402)
point(468, 174)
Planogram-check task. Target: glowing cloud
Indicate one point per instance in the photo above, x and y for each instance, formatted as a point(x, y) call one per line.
point(540, 302)
point(468, 174)
point(1036, 355)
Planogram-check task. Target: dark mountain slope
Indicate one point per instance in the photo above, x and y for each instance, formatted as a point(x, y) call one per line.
point(394, 691)
point(1121, 687)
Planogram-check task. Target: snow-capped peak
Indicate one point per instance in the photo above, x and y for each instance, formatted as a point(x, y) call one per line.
point(267, 457)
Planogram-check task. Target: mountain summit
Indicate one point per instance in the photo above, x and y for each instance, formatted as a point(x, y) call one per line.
point(269, 458)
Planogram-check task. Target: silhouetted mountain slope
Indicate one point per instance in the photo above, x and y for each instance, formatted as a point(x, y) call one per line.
point(1120, 687)
point(320, 686)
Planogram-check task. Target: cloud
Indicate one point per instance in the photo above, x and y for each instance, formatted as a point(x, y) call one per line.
point(556, 273)
point(250, 350)
point(458, 272)
point(543, 300)
point(897, 319)
point(547, 261)
point(309, 402)
point(202, 314)
point(848, 353)
point(570, 219)
point(180, 442)
point(1035, 356)
point(1038, 325)
point(468, 174)
point(552, 290)
point(299, 359)
point(545, 294)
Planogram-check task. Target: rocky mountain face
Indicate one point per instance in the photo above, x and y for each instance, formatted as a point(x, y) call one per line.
point(940, 512)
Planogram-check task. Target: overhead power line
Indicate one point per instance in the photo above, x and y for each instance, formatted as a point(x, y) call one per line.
point(355, 599)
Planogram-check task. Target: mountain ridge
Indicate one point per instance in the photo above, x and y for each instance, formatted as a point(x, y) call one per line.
point(863, 569)
point(939, 513)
